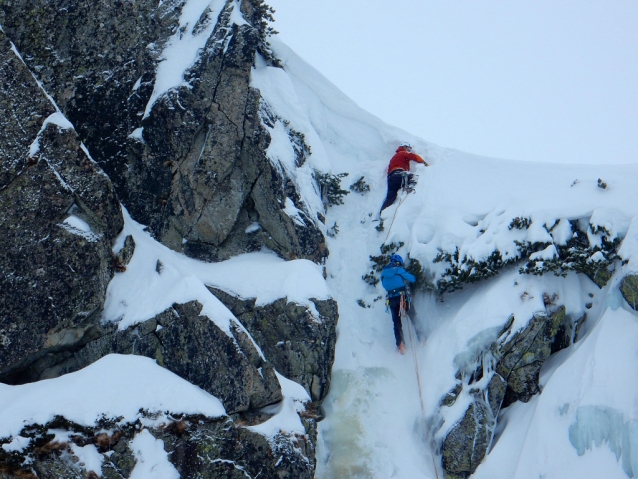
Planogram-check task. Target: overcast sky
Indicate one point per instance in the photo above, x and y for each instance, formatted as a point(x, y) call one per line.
point(538, 80)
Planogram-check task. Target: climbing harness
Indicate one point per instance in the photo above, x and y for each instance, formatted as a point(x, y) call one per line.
point(408, 181)
point(406, 304)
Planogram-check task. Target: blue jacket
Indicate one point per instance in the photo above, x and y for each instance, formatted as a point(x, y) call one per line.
point(394, 277)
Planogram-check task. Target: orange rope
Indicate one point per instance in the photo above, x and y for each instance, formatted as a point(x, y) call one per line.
point(404, 314)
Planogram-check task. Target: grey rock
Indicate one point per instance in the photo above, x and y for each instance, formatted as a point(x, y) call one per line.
point(200, 175)
point(194, 348)
point(195, 455)
point(53, 276)
point(518, 358)
point(467, 443)
point(521, 356)
point(126, 253)
point(629, 290)
point(496, 393)
point(462, 446)
point(300, 345)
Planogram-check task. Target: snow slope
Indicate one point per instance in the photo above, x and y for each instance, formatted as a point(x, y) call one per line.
point(377, 426)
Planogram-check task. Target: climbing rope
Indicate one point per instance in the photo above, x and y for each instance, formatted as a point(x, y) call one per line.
point(405, 187)
point(404, 314)
point(395, 215)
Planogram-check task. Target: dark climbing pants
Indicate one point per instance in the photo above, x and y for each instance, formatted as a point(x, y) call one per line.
point(395, 180)
point(395, 309)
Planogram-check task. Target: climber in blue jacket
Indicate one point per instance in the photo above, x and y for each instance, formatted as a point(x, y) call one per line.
point(393, 279)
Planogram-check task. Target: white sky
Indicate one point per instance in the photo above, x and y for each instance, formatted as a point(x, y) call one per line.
point(541, 80)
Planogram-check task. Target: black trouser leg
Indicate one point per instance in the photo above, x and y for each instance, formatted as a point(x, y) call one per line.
point(395, 309)
point(394, 185)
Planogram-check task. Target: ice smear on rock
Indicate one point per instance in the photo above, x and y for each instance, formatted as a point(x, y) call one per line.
point(599, 426)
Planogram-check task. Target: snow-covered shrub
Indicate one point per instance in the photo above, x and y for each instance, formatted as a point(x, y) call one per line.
point(415, 268)
point(360, 186)
point(261, 17)
point(593, 254)
point(595, 260)
point(466, 270)
point(330, 187)
point(379, 262)
point(302, 149)
point(520, 223)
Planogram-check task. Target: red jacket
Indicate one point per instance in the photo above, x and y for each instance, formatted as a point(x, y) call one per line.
point(401, 160)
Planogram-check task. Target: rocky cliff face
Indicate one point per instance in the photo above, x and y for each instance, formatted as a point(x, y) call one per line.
point(60, 217)
point(94, 122)
point(189, 161)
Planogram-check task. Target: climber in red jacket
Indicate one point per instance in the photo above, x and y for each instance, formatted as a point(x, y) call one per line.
point(400, 165)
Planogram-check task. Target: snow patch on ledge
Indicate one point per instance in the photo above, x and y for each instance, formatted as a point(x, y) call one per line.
point(79, 227)
point(17, 444)
point(141, 292)
point(89, 458)
point(116, 386)
point(292, 211)
point(252, 228)
point(151, 458)
point(286, 418)
point(137, 134)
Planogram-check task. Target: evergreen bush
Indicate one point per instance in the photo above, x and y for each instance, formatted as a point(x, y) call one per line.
point(360, 186)
point(330, 188)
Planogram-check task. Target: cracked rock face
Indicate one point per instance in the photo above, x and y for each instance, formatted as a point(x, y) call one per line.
point(300, 345)
point(59, 217)
point(195, 171)
point(194, 348)
point(193, 167)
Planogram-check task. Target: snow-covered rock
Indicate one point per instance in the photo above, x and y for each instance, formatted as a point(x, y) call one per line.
point(160, 96)
point(228, 149)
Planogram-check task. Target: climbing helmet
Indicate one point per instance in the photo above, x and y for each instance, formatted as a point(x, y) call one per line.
point(396, 259)
point(406, 145)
